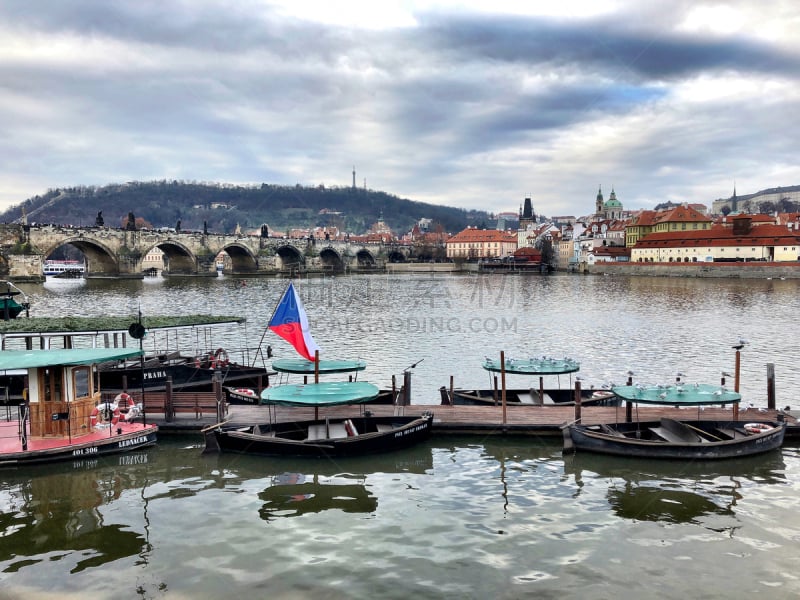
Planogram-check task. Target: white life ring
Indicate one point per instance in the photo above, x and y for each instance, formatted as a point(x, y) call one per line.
point(221, 358)
point(246, 392)
point(124, 401)
point(104, 414)
point(757, 427)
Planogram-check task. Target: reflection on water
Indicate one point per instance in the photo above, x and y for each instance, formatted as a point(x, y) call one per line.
point(456, 517)
point(61, 511)
point(675, 491)
point(292, 496)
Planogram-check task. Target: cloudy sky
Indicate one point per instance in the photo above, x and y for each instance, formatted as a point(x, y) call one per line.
point(476, 104)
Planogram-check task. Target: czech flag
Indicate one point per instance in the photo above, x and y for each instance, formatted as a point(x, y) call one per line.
point(291, 323)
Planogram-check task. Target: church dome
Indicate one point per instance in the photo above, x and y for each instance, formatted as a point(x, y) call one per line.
point(612, 202)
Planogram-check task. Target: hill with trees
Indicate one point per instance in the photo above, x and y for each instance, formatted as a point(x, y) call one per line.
point(223, 207)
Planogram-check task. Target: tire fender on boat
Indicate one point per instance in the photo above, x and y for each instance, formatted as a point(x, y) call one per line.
point(99, 416)
point(757, 427)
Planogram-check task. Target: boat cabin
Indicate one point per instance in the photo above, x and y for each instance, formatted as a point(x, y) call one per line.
point(62, 393)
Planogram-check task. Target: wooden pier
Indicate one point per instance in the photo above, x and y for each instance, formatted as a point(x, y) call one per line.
point(474, 420)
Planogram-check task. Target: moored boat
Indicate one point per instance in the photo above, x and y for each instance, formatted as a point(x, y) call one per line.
point(64, 269)
point(63, 416)
point(10, 308)
point(357, 435)
point(308, 368)
point(697, 438)
point(187, 372)
point(532, 396)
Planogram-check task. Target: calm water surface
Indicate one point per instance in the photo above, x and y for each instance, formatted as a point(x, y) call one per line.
point(457, 517)
point(655, 327)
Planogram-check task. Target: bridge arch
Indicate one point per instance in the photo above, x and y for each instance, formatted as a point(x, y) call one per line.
point(365, 258)
point(395, 256)
point(331, 260)
point(290, 258)
point(178, 259)
point(242, 258)
point(100, 259)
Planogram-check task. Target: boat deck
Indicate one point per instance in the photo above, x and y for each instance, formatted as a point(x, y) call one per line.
point(10, 442)
point(479, 420)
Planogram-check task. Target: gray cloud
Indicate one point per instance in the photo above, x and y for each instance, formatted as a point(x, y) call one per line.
point(464, 109)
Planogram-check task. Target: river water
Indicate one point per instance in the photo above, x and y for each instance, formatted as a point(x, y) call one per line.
point(464, 517)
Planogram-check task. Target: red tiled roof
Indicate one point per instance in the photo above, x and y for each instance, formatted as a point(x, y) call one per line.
point(482, 235)
point(720, 235)
point(528, 251)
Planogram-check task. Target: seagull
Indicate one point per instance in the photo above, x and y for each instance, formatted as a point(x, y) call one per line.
point(740, 344)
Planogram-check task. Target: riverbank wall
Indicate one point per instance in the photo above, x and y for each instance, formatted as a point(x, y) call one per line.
point(740, 270)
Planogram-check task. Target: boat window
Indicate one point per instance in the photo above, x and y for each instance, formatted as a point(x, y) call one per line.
point(50, 383)
point(82, 382)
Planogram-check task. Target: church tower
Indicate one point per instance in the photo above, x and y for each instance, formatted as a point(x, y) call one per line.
point(526, 215)
point(598, 206)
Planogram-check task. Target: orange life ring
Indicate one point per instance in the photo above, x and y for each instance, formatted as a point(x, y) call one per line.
point(104, 414)
point(757, 427)
point(221, 357)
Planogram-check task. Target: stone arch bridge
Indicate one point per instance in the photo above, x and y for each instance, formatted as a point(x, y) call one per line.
point(119, 253)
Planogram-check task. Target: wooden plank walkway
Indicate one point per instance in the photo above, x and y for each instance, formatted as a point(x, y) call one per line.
point(479, 420)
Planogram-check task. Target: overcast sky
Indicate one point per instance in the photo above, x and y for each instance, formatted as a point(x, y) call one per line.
point(475, 104)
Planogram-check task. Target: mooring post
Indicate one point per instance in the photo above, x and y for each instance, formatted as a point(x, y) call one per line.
point(503, 382)
point(736, 383)
point(168, 412)
point(577, 400)
point(216, 385)
point(771, 386)
point(629, 404)
point(407, 387)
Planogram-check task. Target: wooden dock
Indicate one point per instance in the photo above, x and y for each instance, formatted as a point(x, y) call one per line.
point(475, 420)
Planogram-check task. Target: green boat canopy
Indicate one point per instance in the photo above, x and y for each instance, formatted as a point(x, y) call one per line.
point(307, 367)
point(29, 359)
point(320, 394)
point(534, 366)
point(690, 394)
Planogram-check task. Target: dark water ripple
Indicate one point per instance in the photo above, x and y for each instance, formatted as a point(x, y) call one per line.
point(457, 517)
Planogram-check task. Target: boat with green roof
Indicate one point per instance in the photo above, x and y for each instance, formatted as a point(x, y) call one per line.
point(693, 438)
point(535, 395)
point(62, 415)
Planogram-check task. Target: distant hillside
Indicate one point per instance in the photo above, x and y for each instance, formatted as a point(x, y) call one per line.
point(222, 207)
